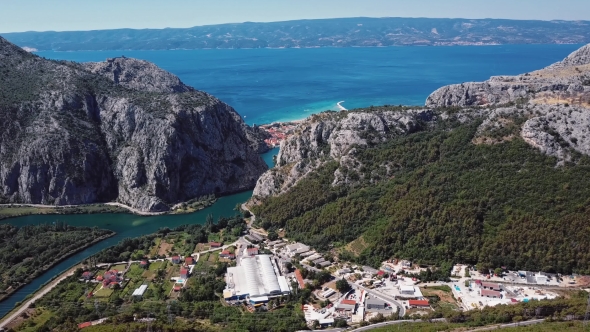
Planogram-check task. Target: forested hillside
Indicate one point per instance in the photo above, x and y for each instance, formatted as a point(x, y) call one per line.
point(443, 198)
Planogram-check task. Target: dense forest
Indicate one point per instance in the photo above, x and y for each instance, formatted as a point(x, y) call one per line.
point(27, 251)
point(445, 199)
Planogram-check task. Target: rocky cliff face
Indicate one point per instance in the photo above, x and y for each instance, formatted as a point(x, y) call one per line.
point(555, 102)
point(548, 108)
point(335, 136)
point(123, 129)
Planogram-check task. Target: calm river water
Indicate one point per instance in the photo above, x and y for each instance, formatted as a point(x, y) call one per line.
point(126, 225)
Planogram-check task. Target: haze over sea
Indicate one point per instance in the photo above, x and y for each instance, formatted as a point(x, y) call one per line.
point(267, 85)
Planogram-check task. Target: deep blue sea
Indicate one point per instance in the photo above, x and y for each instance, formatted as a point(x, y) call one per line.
point(266, 85)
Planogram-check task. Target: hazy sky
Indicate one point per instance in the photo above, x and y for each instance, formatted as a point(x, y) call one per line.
point(62, 15)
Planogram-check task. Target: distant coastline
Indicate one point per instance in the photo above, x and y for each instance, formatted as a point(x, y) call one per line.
point(316, 33)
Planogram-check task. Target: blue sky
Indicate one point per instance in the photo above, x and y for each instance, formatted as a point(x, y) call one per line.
point(63, 15)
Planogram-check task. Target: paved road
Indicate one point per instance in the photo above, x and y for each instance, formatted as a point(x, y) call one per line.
point(393, 322)
point(37, 296)
point(401, 310)
point(503, 326)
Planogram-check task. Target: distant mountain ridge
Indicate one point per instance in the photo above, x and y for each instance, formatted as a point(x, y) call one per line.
point(342, 32)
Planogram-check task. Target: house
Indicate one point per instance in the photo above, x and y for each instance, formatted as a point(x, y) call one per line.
point(491, 293)
point(297, 248)
point(299, 278)
point(144, 264)
point(227, 254)
point(491, 286)
point(343, 271)
point(347, 305)
point(380, 273)
point(215, 244)
point(87, 275)
point(177, 287)
point(324, 264)
point(419, 303)
point(184, 273)
point(189, 260)
point(252, 251)
point(176, 259)
point(110, 278)
point(406, 264)
point(374, 303)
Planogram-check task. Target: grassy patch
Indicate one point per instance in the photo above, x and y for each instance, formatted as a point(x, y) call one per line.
point(103, 292)
point(119, 268)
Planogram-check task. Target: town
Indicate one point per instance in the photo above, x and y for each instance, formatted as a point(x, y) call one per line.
point(261, 271)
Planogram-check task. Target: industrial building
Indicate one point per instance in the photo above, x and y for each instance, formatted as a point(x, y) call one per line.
point(374, 303)
point(406, 290)
point(256, 278)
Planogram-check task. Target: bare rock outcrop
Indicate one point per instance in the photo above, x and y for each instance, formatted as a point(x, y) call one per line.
point(335, 136)
point(120, 130)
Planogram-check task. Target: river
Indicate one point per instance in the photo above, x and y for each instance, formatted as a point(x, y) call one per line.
point(125, 225)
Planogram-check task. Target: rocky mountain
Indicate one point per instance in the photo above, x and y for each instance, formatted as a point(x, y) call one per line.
point(341, 32)
point(553, 101)
point(488, 172)
point(120, 130)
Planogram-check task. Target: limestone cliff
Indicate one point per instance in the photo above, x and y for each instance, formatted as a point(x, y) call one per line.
point(335, 136)
point(548, 108)
point(117, 130)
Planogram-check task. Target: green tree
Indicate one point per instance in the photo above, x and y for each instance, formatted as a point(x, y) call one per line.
point(343, 286)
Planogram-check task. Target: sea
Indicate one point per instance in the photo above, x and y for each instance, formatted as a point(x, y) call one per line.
point(269, 85)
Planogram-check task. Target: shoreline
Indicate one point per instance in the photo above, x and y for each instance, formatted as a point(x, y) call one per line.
point(6, 296)
point(297, 48)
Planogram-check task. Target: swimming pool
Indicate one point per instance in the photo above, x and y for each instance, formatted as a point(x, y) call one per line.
point(457, 288)
point(180, 281)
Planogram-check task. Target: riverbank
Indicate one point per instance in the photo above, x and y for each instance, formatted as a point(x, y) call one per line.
point(53, 263)
point(17, 311)
point(21, 210)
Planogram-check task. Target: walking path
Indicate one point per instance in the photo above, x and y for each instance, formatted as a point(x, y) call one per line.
point(46, 289)
point(43, 206)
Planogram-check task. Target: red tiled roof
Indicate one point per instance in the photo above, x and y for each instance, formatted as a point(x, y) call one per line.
point(490, 285)
point(175, 257)
point(183, 271)
point(419, 303)
point(380, 273)
point(215, 244)
point(299, 279)
point(489, 292)
point(144, 262)
point(189, 259)
point(225, 252)
point(83, 325)
point(349, 302)
point(252, 250)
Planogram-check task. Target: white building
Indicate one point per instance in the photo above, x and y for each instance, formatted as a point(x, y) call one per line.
point(541, 279)
point(140, 291)
point(297, 248)
point(406, 290)
point(255, 277)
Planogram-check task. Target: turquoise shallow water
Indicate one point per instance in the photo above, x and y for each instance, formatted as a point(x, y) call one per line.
point(266, 85)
